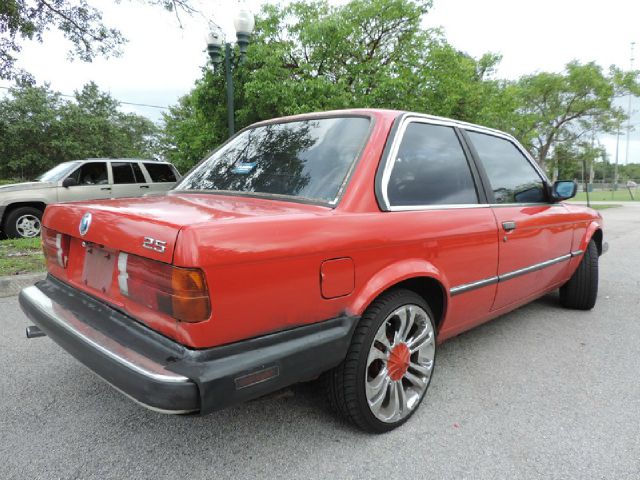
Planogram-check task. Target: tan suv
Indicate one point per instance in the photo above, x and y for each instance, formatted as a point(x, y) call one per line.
point(22, 204)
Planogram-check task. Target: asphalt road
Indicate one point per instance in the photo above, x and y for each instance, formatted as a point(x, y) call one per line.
point(540, 393)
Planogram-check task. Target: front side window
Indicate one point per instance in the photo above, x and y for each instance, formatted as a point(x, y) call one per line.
point(513, 179)
point(430, 169)
point(92, 173)
point(58, 172)
point(307, 159)
point(122, 173)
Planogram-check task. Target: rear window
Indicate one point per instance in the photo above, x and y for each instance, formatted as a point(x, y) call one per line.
point(160, 172)
point(309, 159)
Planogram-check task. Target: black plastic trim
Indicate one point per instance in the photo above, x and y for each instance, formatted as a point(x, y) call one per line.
point(298, 354)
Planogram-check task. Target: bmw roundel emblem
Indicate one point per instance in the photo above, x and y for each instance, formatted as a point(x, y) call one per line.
point(85, 223)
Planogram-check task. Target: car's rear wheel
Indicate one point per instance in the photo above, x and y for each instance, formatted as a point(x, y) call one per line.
point(581, 291)
point(389, 364)
point(23, 222)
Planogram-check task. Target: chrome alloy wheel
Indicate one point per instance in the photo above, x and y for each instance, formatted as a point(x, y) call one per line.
point(400, 363)
point(28, 226)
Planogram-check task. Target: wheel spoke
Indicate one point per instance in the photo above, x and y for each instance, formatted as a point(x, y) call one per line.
point(402, 400)
point(381, 337)
point(415, 380)
point(394, 401)
point(424, 370)
point(376, 354)
point(423, 338)
point(376, 399)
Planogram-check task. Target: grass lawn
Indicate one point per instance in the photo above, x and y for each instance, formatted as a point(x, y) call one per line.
point(604, 206)
point(21, 256)
point(603, 195)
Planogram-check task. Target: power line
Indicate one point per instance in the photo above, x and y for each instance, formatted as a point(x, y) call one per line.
point(119, 101)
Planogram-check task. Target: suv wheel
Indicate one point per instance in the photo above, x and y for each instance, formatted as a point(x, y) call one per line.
point(23, 222)
point(388, 367)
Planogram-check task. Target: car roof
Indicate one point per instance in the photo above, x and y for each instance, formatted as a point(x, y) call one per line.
point(382, 112)
point(147, 160)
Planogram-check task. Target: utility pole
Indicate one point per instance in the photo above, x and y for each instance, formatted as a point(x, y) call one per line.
point(626, 157)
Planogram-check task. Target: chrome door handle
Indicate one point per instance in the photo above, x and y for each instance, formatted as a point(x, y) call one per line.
point(509, 226)
point(144, 186)
point(105, 188)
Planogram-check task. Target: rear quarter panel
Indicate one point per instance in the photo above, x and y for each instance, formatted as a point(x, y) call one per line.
point(264, 275)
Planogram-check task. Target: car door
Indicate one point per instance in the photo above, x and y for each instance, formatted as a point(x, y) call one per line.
point(163, 176)
point(128, 179)
point(435, 195)
point(535, 234)
point(92, 182)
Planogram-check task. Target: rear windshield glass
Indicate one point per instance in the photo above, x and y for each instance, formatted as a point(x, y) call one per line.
point(308, 159)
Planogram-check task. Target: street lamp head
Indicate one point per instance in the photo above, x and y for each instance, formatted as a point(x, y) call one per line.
point(244, 23)
point(214, 44)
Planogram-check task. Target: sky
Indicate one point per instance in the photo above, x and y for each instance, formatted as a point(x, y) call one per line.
point(161, 61)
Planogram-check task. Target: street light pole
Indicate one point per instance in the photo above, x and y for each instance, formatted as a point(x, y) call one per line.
point(229, 80)
point(243, 23)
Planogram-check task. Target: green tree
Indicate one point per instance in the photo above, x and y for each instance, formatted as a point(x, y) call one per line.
point(310, 56)
point(39, 130)
point(557, 108)
point(80, 22)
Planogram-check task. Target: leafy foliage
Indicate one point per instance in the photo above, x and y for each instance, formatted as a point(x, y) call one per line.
point(38, 129)
point(310, 56)
point(562, 108)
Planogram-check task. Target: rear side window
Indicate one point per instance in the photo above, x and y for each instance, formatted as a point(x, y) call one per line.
point(91, 173)
point(137, 171)
point(122, 172)
point(160, 172)
point(430, 169)
point(513, 179)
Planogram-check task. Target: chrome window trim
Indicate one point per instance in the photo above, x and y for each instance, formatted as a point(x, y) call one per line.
point(393, 155)
point(97, 340)
point(515, 143)
point(445, 122)
point(467, 287)
point(408, 208)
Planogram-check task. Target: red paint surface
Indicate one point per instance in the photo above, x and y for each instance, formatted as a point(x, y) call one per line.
point(263, 259)
point(337, 277)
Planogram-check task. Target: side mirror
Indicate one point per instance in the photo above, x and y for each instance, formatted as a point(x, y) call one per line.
point(564, 189)
point(69, 182)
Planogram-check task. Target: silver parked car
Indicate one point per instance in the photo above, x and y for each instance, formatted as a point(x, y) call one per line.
point(22, 204)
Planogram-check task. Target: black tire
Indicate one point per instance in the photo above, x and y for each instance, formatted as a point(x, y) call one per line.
point(345, 384)
point(11, 227)
point(581, 291)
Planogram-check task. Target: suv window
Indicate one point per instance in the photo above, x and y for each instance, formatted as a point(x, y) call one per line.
point(92, 173)
point(122, 172)
point(160, 172)
point(138, 173)
point(513, 179)
point(430, 169)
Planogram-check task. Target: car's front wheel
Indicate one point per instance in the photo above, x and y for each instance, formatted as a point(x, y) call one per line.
point(23, 222)
point(581, 291)
point(389, 364)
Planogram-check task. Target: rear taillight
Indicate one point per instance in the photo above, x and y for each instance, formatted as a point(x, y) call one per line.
point(178, 292)
point(55, 246)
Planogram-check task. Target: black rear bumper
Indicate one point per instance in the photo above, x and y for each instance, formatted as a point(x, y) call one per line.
point(166, 376)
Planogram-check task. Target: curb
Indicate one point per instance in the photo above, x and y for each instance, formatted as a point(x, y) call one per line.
point(12, 285)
